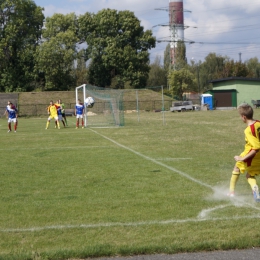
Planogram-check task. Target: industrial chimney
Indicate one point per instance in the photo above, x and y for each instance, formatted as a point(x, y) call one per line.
point(176, 25)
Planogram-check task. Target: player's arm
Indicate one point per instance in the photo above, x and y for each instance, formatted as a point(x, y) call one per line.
point(251, 154)
point(6, 113)
point(16, 112)
point(255, 147)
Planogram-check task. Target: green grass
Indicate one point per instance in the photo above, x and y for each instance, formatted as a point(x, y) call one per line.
point(144, 188)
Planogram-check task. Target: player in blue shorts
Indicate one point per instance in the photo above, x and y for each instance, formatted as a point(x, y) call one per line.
point(12, 113)
point(79, 112)
point(60, 119)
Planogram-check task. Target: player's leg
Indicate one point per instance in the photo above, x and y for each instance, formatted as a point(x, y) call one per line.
point(9, 124)
point(252, 182)
point(15, 124)
point(57, 122)
point(82, 122)
point(48, 122)
point(77, 122)
point(233, 181)
point(63, 123)
point(65, 118)
point(60, 119)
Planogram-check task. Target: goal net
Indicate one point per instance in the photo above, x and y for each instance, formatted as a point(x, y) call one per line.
point(108, 107)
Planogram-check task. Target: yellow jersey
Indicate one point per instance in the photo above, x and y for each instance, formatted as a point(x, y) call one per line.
point(52, 109)
point(252, 139)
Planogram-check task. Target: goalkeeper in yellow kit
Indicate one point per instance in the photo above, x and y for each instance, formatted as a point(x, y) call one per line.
point(53, 113)
point(249, 160)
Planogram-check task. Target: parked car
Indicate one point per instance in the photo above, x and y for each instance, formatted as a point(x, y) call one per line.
point(181, 106)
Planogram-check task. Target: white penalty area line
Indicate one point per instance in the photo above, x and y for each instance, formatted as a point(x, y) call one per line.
point(54, 148)
point(119, 224)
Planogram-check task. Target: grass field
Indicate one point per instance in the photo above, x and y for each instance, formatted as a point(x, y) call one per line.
point(148, 187)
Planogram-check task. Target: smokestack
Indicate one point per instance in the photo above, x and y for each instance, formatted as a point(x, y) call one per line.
point(176, 21)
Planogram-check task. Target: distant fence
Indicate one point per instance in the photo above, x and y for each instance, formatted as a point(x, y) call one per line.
point(35, 110)
point(35, 104)
point(151, 105)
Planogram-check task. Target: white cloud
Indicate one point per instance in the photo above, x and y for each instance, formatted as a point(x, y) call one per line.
point(216, 21)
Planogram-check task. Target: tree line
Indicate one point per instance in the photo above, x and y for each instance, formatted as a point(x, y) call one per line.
point(106, 49)
point(52, 53)
point(196, 75)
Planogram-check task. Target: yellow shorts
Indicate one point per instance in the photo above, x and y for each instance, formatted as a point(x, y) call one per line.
point(51, 117)
point(252, 167)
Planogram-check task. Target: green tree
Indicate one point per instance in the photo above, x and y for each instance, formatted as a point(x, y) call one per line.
point(56, 55)
point(167, 58)
point(157, 74)
point(253, 66)
point(181, 81)
point(234, 69)
point(60, 23)
point(21, 22)
point(117, 46)
point(180, 56)
point(208, 70)
point(81, 71)
point(180, 60)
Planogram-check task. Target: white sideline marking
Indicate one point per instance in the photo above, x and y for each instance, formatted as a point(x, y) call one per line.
point(119, 224)
point(205, 212)
point(53, 148)
point(172, 159)
point(109, 127)
point(155, 161)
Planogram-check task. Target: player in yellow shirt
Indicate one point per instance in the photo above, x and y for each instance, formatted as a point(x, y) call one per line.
point(53, 113)
point(60, 119)
point(249, 160)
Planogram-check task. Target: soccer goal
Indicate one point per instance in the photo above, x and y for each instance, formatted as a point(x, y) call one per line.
point(107, 110)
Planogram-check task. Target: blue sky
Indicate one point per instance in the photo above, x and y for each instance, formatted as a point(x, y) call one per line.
point(226, 27)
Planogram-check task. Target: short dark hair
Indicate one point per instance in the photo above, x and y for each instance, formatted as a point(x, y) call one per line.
point(246, 110)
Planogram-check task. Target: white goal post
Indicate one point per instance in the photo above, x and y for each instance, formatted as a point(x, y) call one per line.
point(108, 107)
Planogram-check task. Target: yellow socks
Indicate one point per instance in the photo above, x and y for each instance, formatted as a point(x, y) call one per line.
point(252, 182)
point(233, 181)
point(47, 125)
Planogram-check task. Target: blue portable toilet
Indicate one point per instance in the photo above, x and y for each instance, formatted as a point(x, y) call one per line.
point(207, 99)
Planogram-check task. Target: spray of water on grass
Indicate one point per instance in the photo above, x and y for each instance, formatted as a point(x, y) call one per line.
point(220, 194)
